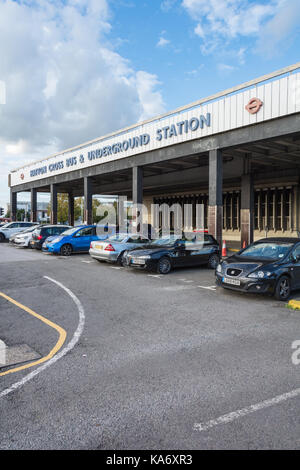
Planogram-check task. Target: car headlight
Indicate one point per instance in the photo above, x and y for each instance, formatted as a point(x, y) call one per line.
point(219, 268)
point(144, 257)
point(260, 274)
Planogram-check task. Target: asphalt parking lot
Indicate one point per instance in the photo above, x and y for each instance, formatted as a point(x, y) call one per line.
point(148, 361)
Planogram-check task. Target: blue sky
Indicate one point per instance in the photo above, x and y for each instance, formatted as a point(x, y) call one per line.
point(161, 37)
point(77, 69)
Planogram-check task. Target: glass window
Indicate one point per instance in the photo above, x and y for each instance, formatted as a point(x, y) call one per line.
point(120, 237)
point(62, 229)
point(269, 250)
point(296, 251)
point(164, 241)
point(85, 232)
point(70, 231)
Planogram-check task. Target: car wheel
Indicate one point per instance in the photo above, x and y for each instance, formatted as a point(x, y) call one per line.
point(2, 237)
point(124, 260)
point(66, 250)
point(283, 288)
point(213, 261)
point(164, 265)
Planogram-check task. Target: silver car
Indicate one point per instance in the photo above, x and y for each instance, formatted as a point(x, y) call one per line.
point(113, 249)
point(23, 238)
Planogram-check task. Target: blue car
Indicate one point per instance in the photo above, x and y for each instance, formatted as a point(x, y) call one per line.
point(74, 240)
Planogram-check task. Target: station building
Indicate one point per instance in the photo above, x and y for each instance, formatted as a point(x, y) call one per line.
point(237, 152)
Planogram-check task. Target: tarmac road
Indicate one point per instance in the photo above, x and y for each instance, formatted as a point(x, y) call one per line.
point(145, 360)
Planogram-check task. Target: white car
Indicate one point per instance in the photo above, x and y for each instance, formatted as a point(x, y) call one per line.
point(14, 227)
point(23, 238)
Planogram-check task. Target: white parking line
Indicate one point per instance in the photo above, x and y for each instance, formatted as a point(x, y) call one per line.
point(116, 267)
point(213, 288)
point(229, 417)
point(158, 276)
point(87, 262)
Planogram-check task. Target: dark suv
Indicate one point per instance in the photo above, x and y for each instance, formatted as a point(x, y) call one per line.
point(41, 233)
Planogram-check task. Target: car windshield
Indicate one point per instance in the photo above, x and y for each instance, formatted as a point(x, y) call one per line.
point(6, 225)
point(120, 237)
point(29, 229)
point(164, 241)
point(70, 231)
point(270, 250)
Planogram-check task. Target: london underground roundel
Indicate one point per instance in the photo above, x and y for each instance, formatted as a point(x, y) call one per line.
point(254, 105)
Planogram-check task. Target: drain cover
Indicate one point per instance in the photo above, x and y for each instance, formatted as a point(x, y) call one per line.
point(13, 355)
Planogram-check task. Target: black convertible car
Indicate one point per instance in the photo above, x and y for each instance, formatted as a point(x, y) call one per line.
point(268, 266)
point(166, 253)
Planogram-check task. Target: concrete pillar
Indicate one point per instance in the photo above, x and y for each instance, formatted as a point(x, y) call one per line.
point(122, 214)
point(137, 191)
point(88, 200)
point(53, 204)
point(247, 210)
point(137, 185)
point(215, 197)
point(33, 205)
point(71, 209)
point(13, 205)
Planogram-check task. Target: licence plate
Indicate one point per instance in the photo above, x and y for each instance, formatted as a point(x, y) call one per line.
point(137, 261)
point(233, 282)
point(98, 247)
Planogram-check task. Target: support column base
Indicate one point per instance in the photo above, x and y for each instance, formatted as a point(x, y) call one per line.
point(246, 228)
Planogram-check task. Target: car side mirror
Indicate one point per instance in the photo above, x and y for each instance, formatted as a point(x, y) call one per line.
point(295, 258)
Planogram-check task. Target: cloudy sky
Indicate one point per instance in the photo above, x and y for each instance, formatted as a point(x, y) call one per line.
point(73, 70)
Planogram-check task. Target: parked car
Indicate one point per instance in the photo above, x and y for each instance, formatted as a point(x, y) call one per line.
point(14, 227)
point(74, 240)
point(42, 233)
point(23, 239)
point(113, 249)
point(268, 266)
point(166, 253)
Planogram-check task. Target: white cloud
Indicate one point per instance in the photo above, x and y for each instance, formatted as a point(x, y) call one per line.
point(65, 83)
point(226, 68)
point(167, 5)
point(163, 42)
point(199, 31)
point(279, 29)
point(152, 102)
point(224, 20)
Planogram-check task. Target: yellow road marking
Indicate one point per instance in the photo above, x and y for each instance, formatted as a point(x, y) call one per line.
point(60, 342)
point(295, 304)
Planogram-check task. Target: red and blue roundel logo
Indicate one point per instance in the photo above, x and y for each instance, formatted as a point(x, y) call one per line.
point(254, 105)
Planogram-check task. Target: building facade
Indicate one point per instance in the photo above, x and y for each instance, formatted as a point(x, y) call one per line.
point(236, 152)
